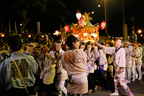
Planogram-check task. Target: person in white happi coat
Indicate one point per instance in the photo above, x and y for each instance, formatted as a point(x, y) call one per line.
point(139, 63)
point(120, 65)
point(135, 61)
point(61, 72)
point(129, 54)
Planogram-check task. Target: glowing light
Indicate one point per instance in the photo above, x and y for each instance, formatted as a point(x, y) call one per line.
point(85, 34)
point(112, 41)
point(94, 35)
point(128, 37)
point(92, 41)
point(2, 35)
point(139, 31)
point(76, 35)
point(42, 36)
point(99, 5)
point(89, 40)
point(56, 33)
point(92, 12)
point(29, 36)
point(141, 35)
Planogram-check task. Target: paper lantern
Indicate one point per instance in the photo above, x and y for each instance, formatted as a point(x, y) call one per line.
point(78, 15)
point(56, 33)
point(103, 25)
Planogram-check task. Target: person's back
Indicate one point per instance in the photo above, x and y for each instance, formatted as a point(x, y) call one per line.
point(74, 62)
point(10, 79)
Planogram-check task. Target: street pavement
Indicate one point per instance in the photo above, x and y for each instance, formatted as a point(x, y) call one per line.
point(137, 87)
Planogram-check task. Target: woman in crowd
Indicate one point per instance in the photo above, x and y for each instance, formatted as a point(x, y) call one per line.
point(82, 45)
point(90, 65)
point(103, 65)
point(74, 62)
point(49, 73)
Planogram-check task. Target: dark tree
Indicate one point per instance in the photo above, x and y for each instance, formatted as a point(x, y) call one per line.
point(51, 13)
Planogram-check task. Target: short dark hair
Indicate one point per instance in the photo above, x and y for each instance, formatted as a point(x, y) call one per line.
point(82, 43)
point(70, 40)
point(58, 41)
point(14, 42)
point(89, 43)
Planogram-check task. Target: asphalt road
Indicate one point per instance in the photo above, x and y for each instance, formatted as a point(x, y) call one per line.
point(137, 87)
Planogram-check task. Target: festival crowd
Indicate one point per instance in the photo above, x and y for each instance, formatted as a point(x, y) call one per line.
point(68, 68)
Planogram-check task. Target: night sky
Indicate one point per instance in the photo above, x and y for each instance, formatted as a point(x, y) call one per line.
point(50, 23)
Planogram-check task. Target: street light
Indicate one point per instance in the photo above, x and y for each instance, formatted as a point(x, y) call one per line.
point(2, 35)
point(92, 12)
point(139, 31)
point(29, 36)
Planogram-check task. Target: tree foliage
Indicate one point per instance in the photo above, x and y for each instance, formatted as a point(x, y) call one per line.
point(28, 12)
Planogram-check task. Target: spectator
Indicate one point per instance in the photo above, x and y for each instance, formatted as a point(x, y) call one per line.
point(82, 45)
point(61, 73)
point(10, 77)
point(90, 65)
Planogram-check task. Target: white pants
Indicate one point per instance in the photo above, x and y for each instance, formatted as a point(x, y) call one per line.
point(62, 87)
point(134, 72)
point(128, 73)
point(138, 67)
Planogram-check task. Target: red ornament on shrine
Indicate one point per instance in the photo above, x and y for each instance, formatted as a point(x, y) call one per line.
point(66, 27)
